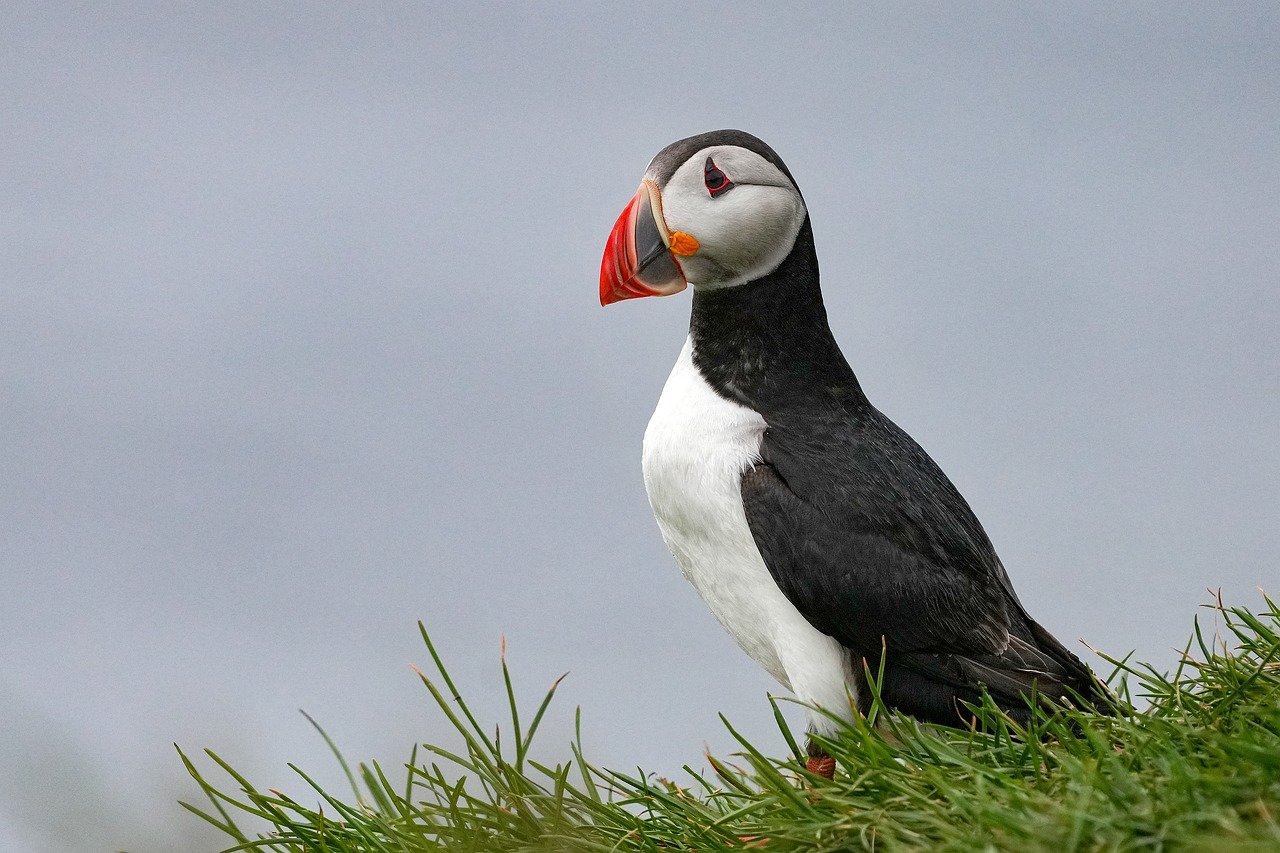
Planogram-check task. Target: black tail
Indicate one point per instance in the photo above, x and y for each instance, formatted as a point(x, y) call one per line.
point(938, 687)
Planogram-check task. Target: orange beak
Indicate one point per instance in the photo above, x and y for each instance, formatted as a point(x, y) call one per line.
point(638, 257)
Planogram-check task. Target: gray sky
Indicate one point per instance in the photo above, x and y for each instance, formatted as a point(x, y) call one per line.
point(300, 343)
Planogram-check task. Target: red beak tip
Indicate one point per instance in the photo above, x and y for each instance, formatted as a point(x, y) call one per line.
point(621, 275)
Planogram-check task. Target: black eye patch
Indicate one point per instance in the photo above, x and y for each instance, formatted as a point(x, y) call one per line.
point(714, 180)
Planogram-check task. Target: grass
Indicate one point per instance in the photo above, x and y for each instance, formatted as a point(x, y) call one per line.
point(1198, 768)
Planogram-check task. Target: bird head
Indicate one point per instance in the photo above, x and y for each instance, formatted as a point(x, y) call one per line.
point(715, 210)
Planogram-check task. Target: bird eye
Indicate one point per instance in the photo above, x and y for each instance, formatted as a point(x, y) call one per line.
point(715, 180)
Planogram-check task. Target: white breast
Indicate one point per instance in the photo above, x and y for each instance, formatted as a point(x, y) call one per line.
point(695, 450)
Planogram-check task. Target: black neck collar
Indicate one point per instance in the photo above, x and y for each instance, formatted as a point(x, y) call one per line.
point(767, 344)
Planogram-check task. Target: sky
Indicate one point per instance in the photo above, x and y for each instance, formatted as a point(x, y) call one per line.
point(300, 344)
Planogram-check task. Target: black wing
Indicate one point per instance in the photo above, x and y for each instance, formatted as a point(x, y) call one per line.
point(870, 541)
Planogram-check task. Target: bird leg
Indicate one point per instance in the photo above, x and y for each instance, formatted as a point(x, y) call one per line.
point(819, 762)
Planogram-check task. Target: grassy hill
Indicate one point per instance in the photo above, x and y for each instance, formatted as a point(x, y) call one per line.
point(1198, 768)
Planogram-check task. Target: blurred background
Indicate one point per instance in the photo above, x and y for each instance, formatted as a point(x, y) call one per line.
point(300, 344)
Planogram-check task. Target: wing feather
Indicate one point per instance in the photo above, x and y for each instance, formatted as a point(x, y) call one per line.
point(876, 548)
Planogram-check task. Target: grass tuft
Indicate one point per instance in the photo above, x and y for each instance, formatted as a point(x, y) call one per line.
point(1197, 768)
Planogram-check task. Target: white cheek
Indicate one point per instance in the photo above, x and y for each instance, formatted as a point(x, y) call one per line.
point(744, 234)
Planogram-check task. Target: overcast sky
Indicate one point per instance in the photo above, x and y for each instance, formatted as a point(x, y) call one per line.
point(300, 344)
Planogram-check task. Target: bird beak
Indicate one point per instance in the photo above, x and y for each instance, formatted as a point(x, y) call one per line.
point(638, 258)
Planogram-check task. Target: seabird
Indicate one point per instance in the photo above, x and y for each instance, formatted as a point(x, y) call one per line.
point(818, 532)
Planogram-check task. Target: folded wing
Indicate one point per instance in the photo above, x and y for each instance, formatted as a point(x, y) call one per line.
point(876, 548)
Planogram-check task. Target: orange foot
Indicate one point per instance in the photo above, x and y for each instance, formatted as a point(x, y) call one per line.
point(821, 765)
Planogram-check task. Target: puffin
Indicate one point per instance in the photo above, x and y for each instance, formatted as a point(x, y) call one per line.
point(822, 537)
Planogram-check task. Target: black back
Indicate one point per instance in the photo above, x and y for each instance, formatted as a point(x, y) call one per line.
point(859, 527)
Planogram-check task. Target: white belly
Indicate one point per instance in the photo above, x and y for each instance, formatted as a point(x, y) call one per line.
point(695, 449)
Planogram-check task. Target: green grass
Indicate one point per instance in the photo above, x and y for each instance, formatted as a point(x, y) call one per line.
point(1198, 768)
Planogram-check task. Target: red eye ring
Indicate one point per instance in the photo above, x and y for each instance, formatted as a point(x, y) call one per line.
point(714, 180)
